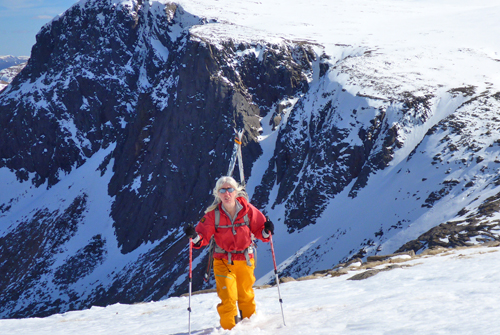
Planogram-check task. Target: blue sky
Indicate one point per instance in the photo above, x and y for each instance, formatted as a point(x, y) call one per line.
point(21, 20)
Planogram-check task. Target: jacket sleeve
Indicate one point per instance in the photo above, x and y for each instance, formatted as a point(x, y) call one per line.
point(257, 220)
point(205, 228)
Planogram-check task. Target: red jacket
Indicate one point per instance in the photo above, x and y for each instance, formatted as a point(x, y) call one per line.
point(224, 237)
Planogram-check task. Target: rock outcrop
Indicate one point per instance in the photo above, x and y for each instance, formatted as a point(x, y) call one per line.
point(107, 75)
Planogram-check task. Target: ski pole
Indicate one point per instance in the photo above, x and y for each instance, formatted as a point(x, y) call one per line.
point(190, 279)
point(277, 279)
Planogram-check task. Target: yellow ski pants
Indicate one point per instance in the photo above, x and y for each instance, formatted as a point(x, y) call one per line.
point(234, 285)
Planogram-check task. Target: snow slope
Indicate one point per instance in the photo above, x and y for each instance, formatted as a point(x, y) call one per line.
point(419, 42)
point(382, 49)
point(450, 293)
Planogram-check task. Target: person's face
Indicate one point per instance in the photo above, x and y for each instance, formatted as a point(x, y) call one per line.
point(228, 198)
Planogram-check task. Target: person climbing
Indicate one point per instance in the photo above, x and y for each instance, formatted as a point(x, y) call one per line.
point(232, 221)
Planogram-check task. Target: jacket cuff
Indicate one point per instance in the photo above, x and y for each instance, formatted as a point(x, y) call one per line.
point(196, 239)
point(264, 234)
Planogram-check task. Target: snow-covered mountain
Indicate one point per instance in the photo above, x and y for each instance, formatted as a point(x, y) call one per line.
point(9, 61)
point(451, 293)
point(368, 127)
point(8, 74)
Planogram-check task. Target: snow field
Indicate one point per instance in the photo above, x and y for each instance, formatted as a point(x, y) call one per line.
point(450, 293)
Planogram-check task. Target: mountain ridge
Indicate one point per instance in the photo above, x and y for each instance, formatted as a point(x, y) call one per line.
point(115, 131)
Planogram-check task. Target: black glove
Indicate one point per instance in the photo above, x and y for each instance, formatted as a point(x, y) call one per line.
point(190, 231)
point(269, 227)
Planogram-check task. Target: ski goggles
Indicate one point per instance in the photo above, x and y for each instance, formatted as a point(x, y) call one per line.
point(224, 190)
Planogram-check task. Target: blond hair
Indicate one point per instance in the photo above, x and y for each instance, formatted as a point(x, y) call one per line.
point(218, 185)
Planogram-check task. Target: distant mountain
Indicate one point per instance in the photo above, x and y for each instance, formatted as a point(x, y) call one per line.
point(8, 61)
point(8, 74)
point(112, 136)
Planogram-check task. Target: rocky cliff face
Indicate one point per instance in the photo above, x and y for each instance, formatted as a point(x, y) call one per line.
point(114, 133)
point(178, 145)
point(103, 75)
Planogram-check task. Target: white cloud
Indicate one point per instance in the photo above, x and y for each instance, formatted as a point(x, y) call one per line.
point(43, 17)
point(20, 4)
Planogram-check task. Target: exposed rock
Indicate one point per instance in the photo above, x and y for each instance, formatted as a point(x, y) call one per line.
point(376, 258)
point(364, 275)
point(82, 263)
point(23, 264)
point(338, 273)
point(316, 276)
point(286, 279)
point(212, 97)
point(461, 233)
